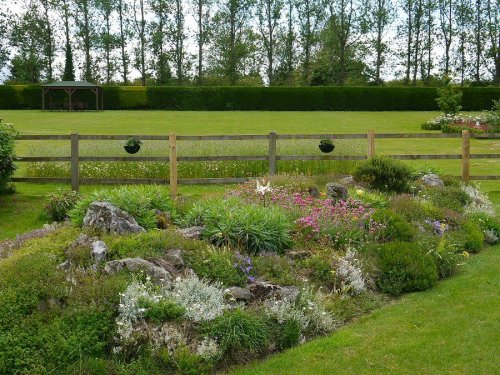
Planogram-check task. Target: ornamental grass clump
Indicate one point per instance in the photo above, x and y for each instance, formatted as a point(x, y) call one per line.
point(252, 228)
point(142, 202)
point(60, 203)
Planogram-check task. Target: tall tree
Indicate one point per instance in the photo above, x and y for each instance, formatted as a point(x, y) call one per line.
point(122, 9)
point(427, 56)
point(160, 65)
point(464, 20)
point(493, 31)
point(27, 37)
point(178, 34)
point(446, 26)
point(231, 40)
point(269, 15)
point(478, 32)
point(86, 30)
point(201, 12)
point(380, 20)
point(48, 37)
point(140, 30)
point(310, 14)
point(108, 40)
point(69, 70)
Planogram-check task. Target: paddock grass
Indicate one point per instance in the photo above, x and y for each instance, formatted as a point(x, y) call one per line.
point(452, 328)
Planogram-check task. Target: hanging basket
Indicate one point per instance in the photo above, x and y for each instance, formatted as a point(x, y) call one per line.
point(326, 148)
point(132, 149)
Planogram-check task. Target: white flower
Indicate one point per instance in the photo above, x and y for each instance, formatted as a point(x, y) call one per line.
point(263, 189)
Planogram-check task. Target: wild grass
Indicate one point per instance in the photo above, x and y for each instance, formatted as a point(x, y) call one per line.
point(195, 169)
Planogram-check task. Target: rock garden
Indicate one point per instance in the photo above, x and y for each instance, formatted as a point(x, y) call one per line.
point(129, 281)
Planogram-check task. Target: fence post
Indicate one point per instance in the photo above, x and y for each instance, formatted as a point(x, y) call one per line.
point(465, 156)
point(173, 164)
point(272, 153)
point(371, 144)
point(75, 168)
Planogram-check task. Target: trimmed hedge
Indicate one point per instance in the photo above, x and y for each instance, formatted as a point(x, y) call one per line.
point(257, 98)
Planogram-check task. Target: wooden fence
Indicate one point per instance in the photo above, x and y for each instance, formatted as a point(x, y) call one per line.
point(271, 157)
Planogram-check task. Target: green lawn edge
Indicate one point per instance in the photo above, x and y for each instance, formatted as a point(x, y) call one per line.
point(452, 328)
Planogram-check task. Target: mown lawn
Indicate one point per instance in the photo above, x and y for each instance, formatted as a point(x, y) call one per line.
point(452, 328)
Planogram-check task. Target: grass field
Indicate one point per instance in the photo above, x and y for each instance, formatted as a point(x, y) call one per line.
point(452, 328)
point(200, 123)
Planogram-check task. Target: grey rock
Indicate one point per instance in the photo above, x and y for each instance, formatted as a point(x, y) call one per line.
point(238, 294)
point(298, 254)
point(175, 258)
point(290, 293)
point(348, 180)
point(336, 191)
point(432, 180)
point(99, 251)
point(157, 273)
point(106, 217)
point(192, 232)
point(314, 192)
point(64, 266)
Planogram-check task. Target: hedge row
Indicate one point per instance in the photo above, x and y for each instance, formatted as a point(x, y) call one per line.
point(257, 98)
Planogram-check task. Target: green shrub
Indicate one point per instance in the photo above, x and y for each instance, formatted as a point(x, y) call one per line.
point(451, 197)
point(239, 330)
point(250, 227)
point(414, 210)
point(489, 225)
point(449, 98)
point(60, 203)
point(396, 226)
point(320, 269)
point(385, 174)
point(404, 267)
point(7, 145)
point(162, 311)
point(446, 257)
point(139, 201)
point(471, 237)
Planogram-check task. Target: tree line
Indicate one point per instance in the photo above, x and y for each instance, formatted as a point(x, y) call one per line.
point(251, 42)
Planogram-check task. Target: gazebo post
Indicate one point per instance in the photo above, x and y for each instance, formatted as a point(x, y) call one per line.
point(102, 99)
point(97, 99)
point(50, 101)
point(43, 99)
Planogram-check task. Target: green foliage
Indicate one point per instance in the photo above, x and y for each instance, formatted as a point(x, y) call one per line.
point(414, 210)
point(60, 203)
point(404, 267)
point(239, 330)
point(470, 237)
point(446, 257)
point(275, 269)
point(346, 307)
point(268, 98)
point(451, 197)
point(249, 227)
point(7, 145)
point(44, 325)
point(485, 222)
point(385, 174)
point(162, 311)
point(320, 269)
point(449, 98)
point(288, 334)
point(139, 201)
point(396, 226)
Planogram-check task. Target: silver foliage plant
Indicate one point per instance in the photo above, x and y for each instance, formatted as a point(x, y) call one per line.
point(480, 202)
point(349, 274)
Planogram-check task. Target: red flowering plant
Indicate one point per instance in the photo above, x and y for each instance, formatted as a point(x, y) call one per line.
point(340, 223)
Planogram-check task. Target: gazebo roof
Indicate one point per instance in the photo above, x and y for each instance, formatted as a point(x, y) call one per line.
point(72, 84)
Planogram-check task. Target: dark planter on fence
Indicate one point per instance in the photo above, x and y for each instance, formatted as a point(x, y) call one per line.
point(132, 149)
point(326, 148)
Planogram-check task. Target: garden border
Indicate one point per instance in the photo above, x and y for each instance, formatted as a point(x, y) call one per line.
point(272, 156)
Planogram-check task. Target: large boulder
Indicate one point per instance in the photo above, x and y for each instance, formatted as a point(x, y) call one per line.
point(106, 217)
point(336, 191)
point(238, 294)
point(157, 273)
point(191, 232)
point(432, 180)
point(175, 258)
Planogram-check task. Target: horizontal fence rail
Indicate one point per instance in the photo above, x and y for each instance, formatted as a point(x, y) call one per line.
point(272, 157)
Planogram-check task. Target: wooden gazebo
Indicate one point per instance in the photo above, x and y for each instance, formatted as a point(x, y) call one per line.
point(70, 87)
